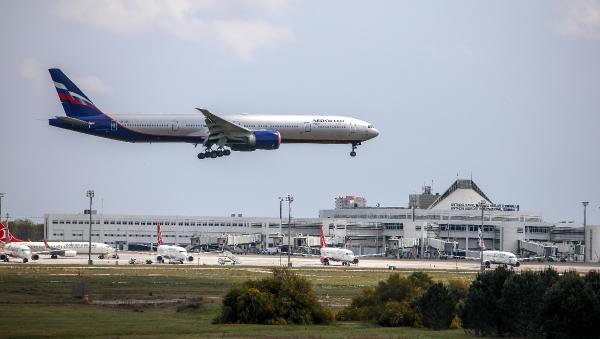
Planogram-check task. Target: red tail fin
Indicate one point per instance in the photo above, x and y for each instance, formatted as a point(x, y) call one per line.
point(6, 236)
point(159, 234)
point(323, 243)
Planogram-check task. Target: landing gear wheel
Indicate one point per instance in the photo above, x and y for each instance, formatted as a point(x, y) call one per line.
point(213, 154)
point(219, 153)
point(226, 152)
point(201, 156)
point(354, 146)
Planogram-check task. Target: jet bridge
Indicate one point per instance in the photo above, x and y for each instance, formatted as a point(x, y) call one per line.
point(537, 248)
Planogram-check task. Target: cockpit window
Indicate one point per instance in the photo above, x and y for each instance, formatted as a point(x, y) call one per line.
point(370, 126)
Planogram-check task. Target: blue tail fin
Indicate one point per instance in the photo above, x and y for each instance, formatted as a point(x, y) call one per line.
point(75, 103)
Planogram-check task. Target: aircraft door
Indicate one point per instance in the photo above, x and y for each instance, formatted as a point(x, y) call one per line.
point(307, 127)
point(174, 125)
point(113, 125)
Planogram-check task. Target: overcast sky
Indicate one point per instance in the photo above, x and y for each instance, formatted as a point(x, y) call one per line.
point(508, 91)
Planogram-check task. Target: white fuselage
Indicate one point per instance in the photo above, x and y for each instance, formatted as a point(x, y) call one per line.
point(501, 258)
point(18, 250)
point(79, 247)
point(337, 254)
point(172, 252)
point(292, 128)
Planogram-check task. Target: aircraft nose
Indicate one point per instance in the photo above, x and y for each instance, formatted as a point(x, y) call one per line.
point(373, 132)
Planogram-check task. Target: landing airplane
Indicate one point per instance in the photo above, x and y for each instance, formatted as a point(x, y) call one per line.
point(219, 135)
point(57, 248)
point(346, 256)
point(172, 252)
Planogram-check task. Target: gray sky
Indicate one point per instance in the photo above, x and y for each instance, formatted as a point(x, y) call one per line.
point(506, 90)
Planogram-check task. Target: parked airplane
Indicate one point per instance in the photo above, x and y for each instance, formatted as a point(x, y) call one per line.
point(17, 250)
point(14, 247)
point(500, 258)
point(172, 252)
point(346, 256)
point(219, 135)
point(58, 248)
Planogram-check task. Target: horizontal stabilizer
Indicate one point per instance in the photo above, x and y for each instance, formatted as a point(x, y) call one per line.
point(75, 122)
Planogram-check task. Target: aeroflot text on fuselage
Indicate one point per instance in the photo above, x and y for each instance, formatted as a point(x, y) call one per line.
point(219, 135)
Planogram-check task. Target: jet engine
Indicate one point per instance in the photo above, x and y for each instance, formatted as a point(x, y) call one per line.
point(160, 259)
point(190, 258)
point(70, 253)
point(35, 257)
point(3, 257)
point(355, 261)
point(267, 140)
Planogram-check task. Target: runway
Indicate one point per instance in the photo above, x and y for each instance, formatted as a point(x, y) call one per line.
point(254, 260)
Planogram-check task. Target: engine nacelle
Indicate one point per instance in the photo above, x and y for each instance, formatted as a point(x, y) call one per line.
point(355, 261)
point(267, 140)
point(70, 253)
point(35, 257)
point(517, 264)
point(160, 259)
point(3, 257)
point(190, 258)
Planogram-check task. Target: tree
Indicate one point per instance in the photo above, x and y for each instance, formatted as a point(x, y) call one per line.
point(570, 309)
point(481, 313)
point(437, 307)
point(520, 303)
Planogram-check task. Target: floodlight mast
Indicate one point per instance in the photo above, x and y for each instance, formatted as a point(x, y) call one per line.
point(90, 194)
point(289, 198)
point(585, 204)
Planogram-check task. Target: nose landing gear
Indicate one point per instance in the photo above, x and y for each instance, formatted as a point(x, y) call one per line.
point(354, 146)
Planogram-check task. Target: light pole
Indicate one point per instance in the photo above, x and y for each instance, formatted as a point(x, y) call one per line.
point(1, 196)
point(90, 194)
point(481, 245)
point(289, 198)
point(585, 203)
point(281, 199)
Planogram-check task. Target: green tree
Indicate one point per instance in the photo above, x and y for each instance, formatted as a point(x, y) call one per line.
point(570, 309)
point(481, 313)
point(437, 307)
point(520, 303)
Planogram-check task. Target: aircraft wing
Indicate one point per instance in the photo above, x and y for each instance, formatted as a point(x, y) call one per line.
point(370, 255)
point(221, 130)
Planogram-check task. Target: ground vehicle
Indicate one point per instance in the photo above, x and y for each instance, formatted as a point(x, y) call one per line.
point(226, 261)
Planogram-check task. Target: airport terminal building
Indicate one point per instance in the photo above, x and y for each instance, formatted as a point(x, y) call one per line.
point(432, 225)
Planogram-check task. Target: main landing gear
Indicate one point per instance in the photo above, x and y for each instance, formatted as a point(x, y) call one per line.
point(354, 146)
point(214, 154)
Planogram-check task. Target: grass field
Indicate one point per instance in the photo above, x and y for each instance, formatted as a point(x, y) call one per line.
point(46, 301)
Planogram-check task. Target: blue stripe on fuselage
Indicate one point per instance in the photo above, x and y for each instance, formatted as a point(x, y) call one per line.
point(102, 128)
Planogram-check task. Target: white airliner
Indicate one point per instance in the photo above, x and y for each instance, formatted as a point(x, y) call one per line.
point(17, 250)
point(55, 248)
point(219, 135)
point(346, 256)
point(171, 252)
point(500, 258)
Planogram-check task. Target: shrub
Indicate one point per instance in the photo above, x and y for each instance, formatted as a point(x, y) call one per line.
point(284, 298)
point(399, 313)
point(397, 301)
point(437, 307)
